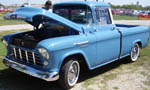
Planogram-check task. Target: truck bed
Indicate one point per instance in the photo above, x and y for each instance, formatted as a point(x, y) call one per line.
point(132, 34)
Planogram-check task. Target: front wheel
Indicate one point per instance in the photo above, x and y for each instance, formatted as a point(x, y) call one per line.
point(134, 54)
point(69, 73)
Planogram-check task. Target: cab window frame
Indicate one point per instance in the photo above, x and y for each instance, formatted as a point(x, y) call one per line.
point(106, 14)
point(70, 16)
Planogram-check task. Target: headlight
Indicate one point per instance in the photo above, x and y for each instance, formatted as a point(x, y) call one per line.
point(5, 42)
point(44, 53)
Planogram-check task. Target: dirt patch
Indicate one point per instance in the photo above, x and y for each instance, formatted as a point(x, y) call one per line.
point(128, 81)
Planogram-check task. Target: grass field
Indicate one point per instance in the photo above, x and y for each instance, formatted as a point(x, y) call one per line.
point(123, 17)
point(90, 80)
point(8, 22)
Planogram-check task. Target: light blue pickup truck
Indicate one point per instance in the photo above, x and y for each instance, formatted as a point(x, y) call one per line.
point(76, 34)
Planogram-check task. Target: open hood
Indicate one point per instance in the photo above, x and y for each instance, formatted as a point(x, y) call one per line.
point(28, 15)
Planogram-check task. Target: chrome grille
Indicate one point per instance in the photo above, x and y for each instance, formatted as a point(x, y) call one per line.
point(25, 56)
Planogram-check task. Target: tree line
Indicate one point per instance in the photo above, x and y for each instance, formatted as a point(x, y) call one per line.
point(1, 5)
point(136, 7)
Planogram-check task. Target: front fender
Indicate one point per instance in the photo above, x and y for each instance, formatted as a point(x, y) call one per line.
point(58, 57)
point(71, 53)
point(62, 47)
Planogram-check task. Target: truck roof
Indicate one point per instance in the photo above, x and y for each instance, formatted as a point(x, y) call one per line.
point(88, 3)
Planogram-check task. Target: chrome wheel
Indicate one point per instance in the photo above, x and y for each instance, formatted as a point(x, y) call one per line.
point(69, 73)
point(135, 52)
point(73, 73)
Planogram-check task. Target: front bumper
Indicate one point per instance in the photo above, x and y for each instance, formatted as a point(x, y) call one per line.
point(47, 76)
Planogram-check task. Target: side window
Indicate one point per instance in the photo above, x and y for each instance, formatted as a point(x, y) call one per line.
point(102, 15)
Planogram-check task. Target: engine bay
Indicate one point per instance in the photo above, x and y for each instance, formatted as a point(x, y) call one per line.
point(30, 39)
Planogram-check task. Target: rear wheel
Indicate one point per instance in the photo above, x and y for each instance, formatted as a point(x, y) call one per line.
point(134, 54)
point(69, 73)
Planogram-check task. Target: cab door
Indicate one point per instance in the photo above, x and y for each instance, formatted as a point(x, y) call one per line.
point(107, 37)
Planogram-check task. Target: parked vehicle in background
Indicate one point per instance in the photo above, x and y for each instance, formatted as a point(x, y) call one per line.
point(6, 9)
point(124, 12)
point(115, 11)
point(136, 12)
point(1, 9)
point(128, 12)
point(75, 35)
point(144, 15)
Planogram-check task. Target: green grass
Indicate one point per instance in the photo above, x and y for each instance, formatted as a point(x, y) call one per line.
point(8, 22)
point(3, 48)
point(2, 52)
point(116, 88)
point(123, 17)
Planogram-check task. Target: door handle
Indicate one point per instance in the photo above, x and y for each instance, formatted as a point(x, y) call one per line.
point(95, 29)
point(113, 28)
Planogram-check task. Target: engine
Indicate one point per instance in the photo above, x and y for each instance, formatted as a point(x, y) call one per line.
point(26, 40)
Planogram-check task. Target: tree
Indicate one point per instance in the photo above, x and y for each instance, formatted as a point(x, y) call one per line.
point(1, 4)
point(139, 7)
point(147, 8)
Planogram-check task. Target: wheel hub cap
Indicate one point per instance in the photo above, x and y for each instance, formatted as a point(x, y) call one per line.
point(73, 73)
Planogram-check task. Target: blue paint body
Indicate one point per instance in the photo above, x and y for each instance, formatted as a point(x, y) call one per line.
point(103, 45)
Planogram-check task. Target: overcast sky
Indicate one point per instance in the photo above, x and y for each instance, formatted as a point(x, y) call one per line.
point(116, 2)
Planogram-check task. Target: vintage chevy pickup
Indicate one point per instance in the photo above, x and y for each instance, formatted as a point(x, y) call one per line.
point(76, 34)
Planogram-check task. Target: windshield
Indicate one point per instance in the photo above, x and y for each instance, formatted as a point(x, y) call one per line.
point(77, 13)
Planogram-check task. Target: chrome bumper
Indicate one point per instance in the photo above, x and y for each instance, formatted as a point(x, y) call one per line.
point(48, 76)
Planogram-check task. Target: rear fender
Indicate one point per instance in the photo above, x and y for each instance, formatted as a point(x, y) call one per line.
point(136, 41)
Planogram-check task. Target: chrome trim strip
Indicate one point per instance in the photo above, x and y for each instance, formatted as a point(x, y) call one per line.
point(33, 58)
point(47, 76)
point(80, 43)
point(27, 56)
point(20, 54)
point(15, 52)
